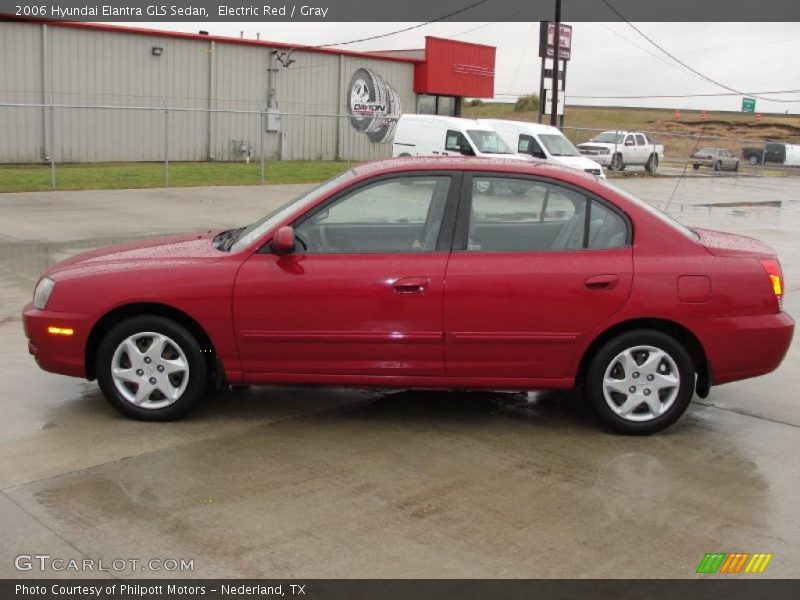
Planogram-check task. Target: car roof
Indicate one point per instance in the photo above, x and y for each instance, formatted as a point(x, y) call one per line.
point(455, 163)
point(524, 125)
point(455, 121)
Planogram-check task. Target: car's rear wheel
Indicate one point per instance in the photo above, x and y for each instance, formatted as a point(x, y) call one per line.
point(151, 368)
point(640, 381)
point(753, 159)
point(652, 163)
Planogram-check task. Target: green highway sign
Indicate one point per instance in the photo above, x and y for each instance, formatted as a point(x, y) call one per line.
point(749, 105)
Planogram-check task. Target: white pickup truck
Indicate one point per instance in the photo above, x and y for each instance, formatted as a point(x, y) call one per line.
point(619, 149)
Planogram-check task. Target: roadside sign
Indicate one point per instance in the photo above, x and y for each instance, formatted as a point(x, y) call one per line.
point(749, 105)
point(548, 103)
point(547, 34)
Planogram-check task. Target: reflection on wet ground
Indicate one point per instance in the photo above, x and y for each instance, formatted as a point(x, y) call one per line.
point(294, 482)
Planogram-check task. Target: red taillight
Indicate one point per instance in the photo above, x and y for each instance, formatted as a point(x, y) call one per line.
point(773, 269)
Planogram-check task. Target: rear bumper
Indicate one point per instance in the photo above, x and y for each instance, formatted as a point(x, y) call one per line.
point(57, 353)
point(742, 347)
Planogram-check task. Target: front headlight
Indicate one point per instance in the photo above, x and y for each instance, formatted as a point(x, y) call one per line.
point(605, 151)
point(42, 293)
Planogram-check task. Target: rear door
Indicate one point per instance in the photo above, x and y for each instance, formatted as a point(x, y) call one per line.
point(536, 265)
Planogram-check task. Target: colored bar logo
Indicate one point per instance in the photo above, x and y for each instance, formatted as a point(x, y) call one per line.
point(734, 563)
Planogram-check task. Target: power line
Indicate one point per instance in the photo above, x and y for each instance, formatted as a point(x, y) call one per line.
point(680, 62)
point(390, 33)
point(691, 95)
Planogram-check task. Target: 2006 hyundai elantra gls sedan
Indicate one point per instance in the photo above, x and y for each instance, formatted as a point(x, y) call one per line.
point(404, 274)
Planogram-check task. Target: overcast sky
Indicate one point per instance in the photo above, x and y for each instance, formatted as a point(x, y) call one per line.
point(608, 59)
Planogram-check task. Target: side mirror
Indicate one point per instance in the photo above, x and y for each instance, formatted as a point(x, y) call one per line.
point(283, 241)
point(538, 153)
point(467, 150)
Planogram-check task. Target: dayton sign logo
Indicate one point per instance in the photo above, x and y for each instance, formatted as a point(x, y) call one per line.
point(373, 105)
point(734, 563)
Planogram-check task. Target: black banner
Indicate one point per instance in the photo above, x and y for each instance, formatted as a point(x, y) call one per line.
point(403, 10)
point(404, 589)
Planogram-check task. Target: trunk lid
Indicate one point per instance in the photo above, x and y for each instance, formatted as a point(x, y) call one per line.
point(720, 243)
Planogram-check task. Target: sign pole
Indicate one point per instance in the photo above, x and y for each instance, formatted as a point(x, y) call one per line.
point(541, 86)
point(556, 61)
point(564, 79)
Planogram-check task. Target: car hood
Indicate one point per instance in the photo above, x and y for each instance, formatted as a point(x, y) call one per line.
point(720, 243)
point(176, 249)
point(576, 162)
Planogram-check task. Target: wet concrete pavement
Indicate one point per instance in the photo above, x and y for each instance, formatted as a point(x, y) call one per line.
point(284, 482)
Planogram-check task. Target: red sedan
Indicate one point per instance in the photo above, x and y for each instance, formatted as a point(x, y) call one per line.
point(425, 273)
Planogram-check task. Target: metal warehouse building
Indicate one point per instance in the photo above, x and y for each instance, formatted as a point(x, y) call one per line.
point(89, 92)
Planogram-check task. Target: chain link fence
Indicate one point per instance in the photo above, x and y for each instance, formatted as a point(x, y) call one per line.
point(52, 134)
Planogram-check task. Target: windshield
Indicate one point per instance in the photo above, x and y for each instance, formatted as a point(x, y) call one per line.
point(488, 142)
point(664, 217)
point(707, 151)
point(608, 137)
point(558, 145)
point(254, 231)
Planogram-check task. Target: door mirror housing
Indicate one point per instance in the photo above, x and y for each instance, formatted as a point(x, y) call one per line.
point(283, 241)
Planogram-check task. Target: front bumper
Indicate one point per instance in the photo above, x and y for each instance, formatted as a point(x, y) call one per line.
point(64, 354)
point(602, 159)
point(743, 347)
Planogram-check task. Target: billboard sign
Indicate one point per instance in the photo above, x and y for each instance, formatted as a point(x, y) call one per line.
point(547, 34)
point(373, 105)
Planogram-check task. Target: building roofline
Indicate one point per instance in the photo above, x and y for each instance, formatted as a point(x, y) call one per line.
point(206, 38)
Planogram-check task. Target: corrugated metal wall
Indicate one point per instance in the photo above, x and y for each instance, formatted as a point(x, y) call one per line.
point(95, 67)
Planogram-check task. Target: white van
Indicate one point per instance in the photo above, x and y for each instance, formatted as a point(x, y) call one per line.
point(544, 142)
point(434, 135)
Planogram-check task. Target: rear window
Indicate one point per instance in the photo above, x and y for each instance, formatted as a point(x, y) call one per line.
point(662, 216)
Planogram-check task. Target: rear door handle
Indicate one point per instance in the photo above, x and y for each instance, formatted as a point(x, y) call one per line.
point(411, 285)
point(601, 282)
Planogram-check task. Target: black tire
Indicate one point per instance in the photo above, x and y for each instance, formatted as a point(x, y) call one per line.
point(188, 344)
point(736, 166)
point(695, 167)
point(652, 163)
point(606, 355)
point(718, 165)
point(617, 164)
point(753, 160)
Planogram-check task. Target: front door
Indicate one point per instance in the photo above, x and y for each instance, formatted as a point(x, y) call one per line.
point(361, 294)
point(535, 267)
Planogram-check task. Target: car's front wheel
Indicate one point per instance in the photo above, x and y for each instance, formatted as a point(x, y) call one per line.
point(640, 381)
point(151, 368)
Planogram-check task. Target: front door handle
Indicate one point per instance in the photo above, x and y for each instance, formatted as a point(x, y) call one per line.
point(601, 282)
point(411, 285)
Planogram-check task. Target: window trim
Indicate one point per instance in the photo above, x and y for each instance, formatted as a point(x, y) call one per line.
point(461, 234)
point(446, 228)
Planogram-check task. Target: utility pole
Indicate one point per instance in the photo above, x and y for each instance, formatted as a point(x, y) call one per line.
point(556, 61)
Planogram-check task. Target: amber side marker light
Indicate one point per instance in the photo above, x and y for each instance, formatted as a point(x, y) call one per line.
point(60, 330)
point(773, 269)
